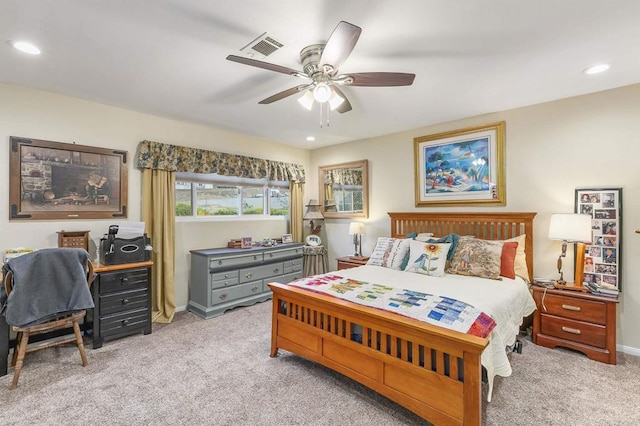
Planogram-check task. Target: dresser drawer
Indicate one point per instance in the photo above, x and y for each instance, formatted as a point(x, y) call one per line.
point(575, 331)
point(224, 295)
point(282, 254)
point(123, 301)
point(224, 279)
point(575, 308)
point(231, 261)
point(121, 323)
point(260, 272)
point(123, 280)
point(292, 265)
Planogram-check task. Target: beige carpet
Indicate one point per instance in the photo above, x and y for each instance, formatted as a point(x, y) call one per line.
point(218, 372)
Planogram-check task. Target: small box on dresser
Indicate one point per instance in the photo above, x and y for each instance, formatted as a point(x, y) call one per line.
point(577, 320)
point(223, 278)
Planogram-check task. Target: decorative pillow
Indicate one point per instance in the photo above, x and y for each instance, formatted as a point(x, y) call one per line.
point(389, 252)
point(452, 239)
point(414, 236)
point(479, 258)
point(520, 262)
point(427, 258)
point(509, 250)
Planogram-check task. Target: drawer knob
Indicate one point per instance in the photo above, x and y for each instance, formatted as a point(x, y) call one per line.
point(255, 257)
point(270, 254)
point(248, 275)
point(226, 275)
point(571, 330)
point(223, 296)
point(125, 321)
point(571, 308)
point(125, 301)
point(276, 270)
point(254, 288)
point(219, 262)
point(124, 280)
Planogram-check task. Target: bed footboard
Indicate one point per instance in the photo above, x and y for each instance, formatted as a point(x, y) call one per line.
point(434, 372)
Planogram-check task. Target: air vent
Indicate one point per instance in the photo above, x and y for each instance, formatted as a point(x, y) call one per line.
point(261, 47)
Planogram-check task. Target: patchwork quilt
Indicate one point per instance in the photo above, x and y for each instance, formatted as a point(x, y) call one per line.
point(438, 310)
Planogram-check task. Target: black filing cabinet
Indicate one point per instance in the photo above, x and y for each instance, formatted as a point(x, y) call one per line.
point(122, 298)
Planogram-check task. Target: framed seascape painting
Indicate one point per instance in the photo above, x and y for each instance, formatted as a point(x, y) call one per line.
point(461, 167)
point(55, 180)
point(603, 257)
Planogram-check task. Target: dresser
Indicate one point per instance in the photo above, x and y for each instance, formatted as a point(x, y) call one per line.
point(223, 278)
point(122, 298)
point(577, 320)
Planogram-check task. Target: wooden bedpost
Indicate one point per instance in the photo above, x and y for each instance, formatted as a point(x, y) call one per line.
point(274, 325)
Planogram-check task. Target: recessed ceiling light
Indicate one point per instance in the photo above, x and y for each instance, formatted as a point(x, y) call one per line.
point(597, 69)
point(310, 138)
point(25, 46)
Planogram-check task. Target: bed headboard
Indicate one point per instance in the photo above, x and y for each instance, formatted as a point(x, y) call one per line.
point(488, 226)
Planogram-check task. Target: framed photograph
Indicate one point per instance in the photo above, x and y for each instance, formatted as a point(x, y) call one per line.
point(55, 180)
point(246, 242)
point(462, 167)
point(603, 257)
point(287, 238)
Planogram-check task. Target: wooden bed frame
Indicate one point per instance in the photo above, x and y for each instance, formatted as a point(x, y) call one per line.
point(432, 371)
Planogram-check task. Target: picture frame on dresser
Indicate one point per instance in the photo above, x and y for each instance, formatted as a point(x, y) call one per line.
point(461, 167)
point(603, 256)
point(57, 180)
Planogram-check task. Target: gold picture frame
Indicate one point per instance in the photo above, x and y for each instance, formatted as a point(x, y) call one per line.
point(461, 167)
point(55, 180)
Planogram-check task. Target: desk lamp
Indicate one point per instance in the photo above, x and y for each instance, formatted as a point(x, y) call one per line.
point(571, 228)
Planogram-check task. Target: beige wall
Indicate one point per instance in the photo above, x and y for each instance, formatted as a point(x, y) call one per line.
point(553, 148)
point(40, 115)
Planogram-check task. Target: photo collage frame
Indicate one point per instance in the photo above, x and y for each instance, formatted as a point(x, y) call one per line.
point(603, 257)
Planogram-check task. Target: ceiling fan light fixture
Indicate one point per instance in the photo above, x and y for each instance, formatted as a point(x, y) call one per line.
point(322, 92)
point(306, 100)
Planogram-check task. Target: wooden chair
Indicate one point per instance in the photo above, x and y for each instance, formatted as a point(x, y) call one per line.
point(69, 320)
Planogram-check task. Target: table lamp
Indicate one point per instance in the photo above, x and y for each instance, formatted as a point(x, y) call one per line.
point(571, 228)
point(357, 230)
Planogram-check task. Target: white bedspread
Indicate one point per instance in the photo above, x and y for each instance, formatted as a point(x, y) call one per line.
point(507, 301)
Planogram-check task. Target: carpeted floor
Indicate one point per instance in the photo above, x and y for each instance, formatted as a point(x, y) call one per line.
point(218, 372)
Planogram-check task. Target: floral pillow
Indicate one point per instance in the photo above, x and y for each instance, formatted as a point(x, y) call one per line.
point(427, 258)
point(479, 258)
point(389, 252)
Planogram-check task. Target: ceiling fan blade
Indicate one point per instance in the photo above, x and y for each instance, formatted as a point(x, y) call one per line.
point(382, 79)
point(263, 65)
point(345, 106)
point(340, 44)
point(284, 94)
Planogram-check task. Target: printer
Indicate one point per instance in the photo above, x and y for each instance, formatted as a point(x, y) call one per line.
point(115, 250)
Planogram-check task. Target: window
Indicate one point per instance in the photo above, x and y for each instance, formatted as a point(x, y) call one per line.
point(212, 195)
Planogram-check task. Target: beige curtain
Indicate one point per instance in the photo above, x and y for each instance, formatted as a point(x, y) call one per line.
point(296, 210)
point(158, 213)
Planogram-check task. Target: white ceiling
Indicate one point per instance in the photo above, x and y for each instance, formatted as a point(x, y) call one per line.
point(167, 57)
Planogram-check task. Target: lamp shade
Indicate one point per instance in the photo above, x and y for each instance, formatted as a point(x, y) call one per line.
point(356, 228)
point(313, 210)
point(570, 227)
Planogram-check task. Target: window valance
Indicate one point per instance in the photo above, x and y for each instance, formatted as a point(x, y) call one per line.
point(343, 177)
point(160, 156)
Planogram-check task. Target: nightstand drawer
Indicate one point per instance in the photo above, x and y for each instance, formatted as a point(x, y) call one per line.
point(574, 308)
point(128, 279)
point(575, 331)
point(123, 301)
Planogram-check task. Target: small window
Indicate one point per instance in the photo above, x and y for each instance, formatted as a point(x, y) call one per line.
point(349, 200)
point(183, 199)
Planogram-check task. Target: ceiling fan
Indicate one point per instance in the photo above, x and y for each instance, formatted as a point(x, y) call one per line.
point(320, 64)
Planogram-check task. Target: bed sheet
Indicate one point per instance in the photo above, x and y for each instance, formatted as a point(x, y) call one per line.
point(506, 300)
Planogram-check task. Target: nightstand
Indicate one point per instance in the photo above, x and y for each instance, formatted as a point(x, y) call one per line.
point(351, 262)
point(577, 320)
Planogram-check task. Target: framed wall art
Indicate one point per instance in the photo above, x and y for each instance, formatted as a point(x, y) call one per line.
point(461, 167)
point(603, 257)
point(55, 180)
